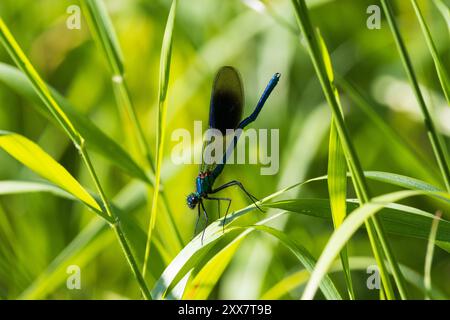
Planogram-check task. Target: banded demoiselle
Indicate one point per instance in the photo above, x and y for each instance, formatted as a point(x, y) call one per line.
point(225, 112)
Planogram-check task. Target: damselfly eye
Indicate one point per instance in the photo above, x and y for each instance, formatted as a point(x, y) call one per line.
point(192, 200)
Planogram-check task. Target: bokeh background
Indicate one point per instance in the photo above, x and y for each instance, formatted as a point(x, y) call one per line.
point(37, 228)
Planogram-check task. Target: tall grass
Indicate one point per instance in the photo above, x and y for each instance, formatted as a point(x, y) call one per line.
point(203, 269)
point(44, 93)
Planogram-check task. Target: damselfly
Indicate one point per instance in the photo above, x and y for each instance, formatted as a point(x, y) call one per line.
point(225, 112)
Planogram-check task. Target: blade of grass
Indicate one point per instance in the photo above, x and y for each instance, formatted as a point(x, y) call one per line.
point(19, 186)
point(435, 140)
point(37, 160)
point(180, 264)
point(44, 93)
point(397, 219)
point(208, 276)
point(340, 236)
point(441, 71)
point(375, 232)
point(164, 71)
point(429, 255)
point(337, 175)
point(337, 188)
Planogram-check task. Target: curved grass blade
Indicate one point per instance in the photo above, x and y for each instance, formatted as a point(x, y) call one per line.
point(18, 187)
point(193, 250)
point(429, 255)
point(204, 281)
point(401, 181)
point(397, 219)
point(286, 285)
point(37, 160)
point(340, 236)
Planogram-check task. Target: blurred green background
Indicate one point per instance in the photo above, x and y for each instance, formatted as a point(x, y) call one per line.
point(36, 228)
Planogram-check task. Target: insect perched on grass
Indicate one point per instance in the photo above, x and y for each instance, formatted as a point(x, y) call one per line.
point(225, 112)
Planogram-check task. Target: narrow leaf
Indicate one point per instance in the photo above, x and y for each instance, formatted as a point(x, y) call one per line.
point(353, 222)
point(430, 252)
point(37, 160)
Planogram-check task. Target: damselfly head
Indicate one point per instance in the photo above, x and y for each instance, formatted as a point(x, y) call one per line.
point(192, 200)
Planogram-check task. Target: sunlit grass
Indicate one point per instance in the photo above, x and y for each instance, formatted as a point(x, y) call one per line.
point(141, 195)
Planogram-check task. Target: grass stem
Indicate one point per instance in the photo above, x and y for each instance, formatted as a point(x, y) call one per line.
point(44, 93)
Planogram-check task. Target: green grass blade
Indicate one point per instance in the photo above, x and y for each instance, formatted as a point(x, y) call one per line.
point(164, 72)
point(18, 187)
point(397, 219)
point(435, 140)
point(441, 71)
point(204, 281)
point(193, 250)
point(37, 160)
point(286, 285)
point(337, 172)
point(96, 140)
point(401, 181)
point(353, 222)
point(429, 255)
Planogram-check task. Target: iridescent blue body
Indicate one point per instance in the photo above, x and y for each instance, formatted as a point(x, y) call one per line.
point(225, 113)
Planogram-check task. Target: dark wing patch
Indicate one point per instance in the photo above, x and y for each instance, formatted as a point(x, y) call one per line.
point(227, 100)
